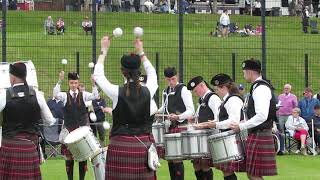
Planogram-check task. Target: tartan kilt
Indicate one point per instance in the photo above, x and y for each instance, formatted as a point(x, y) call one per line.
point(232, 166)
point(202, 161)
point(127, 158)
point(19, 158)
point(260, 154)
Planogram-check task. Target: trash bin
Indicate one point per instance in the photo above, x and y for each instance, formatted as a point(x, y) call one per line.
point(275, 11)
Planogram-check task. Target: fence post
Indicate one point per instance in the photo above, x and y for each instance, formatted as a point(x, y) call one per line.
point(4, 31)
point(94, 32)
point(234, 67)
point(78, 62)
point(180, 41)
point(306, 70)
point(157, 97)
point(263, 38)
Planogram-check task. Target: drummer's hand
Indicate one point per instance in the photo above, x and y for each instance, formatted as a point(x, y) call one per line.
point(190, 119)
point(107, 110)
point(105, 44)
point(173, 117)
point(235, 126)
point(61, 75)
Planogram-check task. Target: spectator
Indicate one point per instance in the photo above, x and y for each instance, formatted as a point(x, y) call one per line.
point(136, 4)
point(258, 30)
point(305, 19)
point(307, 104)
point(60, 26)
point(49, 26)
point(225, 21)
point(148, 5)
point(99, 105)
point(287, 103)
point(87, 25)
point(316, 121)
point(298, 129)
point(242, 91)
point(115, 5)
point(257, 8)
point(248, 29)
point(164, 7)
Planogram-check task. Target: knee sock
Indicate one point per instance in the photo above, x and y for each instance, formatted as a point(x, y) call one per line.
point(172, 169)
point(179, 171)
point(208, 175)
point(199, 174)
point(231, 177)
point(82, 169)
point(69, 169)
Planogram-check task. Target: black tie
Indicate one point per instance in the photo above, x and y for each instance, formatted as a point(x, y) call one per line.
point(74, 97)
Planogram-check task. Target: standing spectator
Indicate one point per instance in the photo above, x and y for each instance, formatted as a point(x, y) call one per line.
point(136, 4)
point(49, 26)
point(87, 25)
point(288, 101)
point(99, 105)
point(305, 19)
point(257, 8)
point(225, 21)
point(115, 5)
point(60, 26)
point(298, 129)
point(316, 121)
point(307, 105)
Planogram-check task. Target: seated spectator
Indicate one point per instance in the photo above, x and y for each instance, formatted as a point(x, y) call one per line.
point(258, 30)
point(316, 122)
point(149, 5)
point(60, 26)
point(115, 5)
point(49, 26)
point(298, 129)
point(87, 25)
point(248, 29)
point(164, 7)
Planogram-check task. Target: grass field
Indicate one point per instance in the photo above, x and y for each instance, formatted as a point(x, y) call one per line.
point(290, 167)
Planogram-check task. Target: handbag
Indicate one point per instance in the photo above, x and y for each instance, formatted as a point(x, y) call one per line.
point(153, 159)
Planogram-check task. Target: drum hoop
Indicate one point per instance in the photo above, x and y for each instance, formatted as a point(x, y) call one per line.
point(84, 137)
point(173, 135)
point(222, 134)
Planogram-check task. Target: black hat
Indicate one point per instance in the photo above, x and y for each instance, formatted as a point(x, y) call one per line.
point(143, 78)
point(73, 76)
point(18, 69)
point(251, 64)
point(131, 61)
point(220, 79)
point(170, 72)
point(194, 82)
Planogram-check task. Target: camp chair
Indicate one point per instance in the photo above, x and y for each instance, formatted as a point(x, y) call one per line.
point(314, 27)
point(292, 144)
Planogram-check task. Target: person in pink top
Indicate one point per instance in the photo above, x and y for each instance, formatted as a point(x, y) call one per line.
point(288, 102)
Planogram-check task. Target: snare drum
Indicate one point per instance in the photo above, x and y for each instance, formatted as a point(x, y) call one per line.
point(158, 132)
point(173, 146)
point(195, 144)
point(225, 147)
point(31, 75)
point(82, 144)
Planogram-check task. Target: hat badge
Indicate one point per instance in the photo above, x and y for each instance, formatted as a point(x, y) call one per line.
point(243, 65)
point(192, 84)
point(216, 82)
point(141, 78)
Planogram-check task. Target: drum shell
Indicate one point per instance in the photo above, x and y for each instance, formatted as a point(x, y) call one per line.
point(173, 146)
point(195, 144)
point(226, 147)
point(158, 133)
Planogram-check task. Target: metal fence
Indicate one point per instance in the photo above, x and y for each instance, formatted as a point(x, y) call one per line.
point(191, 42)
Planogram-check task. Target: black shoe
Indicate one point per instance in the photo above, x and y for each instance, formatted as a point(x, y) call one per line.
point(280, 153)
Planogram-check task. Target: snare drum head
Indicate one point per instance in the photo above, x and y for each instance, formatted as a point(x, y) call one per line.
point(77, 134)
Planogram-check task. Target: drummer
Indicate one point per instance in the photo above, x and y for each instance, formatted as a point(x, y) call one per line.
point(208, 109)
point(75, 114)
point(130, 135)
point(21, 109)
point(178, 105)
point(230, 110)
point(260, 112)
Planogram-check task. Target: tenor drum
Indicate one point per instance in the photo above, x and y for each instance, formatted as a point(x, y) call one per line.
point(82, 144)
point(158, 133)
point(226, 146)
point(195, 144)
point(31, 75)
point(173, 146)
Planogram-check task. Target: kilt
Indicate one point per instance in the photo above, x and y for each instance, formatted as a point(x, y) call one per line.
point(233, 166)
point(127, 158)
point(19, 158)
point(260, 154)
point(202, 162)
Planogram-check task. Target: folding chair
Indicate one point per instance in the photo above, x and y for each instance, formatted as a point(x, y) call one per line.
point(292, 144)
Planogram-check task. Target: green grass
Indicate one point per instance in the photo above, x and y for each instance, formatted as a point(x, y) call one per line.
point(290, 167)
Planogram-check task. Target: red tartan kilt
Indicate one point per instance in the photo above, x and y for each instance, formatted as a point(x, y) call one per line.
point(260, 154)
point(127, 158)
point(232, 166)
point(203, 162)
point(19, 159)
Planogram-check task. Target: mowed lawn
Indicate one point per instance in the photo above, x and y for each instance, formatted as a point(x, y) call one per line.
point(290, 167)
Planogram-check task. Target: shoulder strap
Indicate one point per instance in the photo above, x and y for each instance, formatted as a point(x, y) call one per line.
point(258, 83)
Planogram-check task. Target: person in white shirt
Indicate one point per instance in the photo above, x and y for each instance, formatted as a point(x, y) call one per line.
point(260, 113)
point(75, 114)
point(208, 109)
point(87, 25)
point(298, 129)
point(178, 105)
point(225, 21)
point(131, 135)
point(22, 108)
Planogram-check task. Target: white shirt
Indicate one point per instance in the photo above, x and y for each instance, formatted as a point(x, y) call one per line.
point(112, 91)
point(224, 19)
point(293, 123)
point(62, 96)
point(213, 103)
point(45, 112)
point(186, 96)
point(234, 108)
point(261, 96)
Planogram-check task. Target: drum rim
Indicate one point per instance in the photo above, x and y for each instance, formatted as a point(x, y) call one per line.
point(171, 135)
point(222, 134)
point(78, 140)
point(197, 131)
